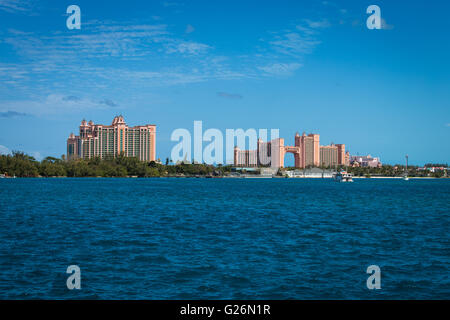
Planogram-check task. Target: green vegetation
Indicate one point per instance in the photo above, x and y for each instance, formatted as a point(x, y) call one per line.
point(21, 165)
point(394, 171)
point(385, 171)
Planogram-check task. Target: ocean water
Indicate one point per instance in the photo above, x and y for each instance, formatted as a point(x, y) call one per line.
point(224, 238)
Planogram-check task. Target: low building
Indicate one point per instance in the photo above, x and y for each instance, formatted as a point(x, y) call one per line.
point(365, 161)
point(309, 173)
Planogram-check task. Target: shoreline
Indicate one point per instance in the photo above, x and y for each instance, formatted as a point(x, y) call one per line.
point(220, 177)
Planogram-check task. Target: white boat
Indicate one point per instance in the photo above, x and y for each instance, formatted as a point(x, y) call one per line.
point(343, 176)
point(405, 177)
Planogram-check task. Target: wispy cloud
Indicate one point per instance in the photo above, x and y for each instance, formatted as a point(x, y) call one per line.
point(229, 95)
point(302, 40)
point(318, 24)
point(141, 55)
point(108, 103)
point(98, 40)
point(12, 114)
point(102, 40)
point(71, 98)
point(69, 58)
point(294, 43)
point(187, 48)
point(15, 5)
point(385, 25)
point(281, 69)
point(52, 104)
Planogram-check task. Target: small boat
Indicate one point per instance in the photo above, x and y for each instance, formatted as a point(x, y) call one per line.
point(5, 176)
point(405, 177)
point(343, 176)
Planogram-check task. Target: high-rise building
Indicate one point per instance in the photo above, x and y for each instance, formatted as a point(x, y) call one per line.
point(333, 155)
point(309, 150)
point(329, 155)
point(347, 159)
point(97, 140)
point(341, 155)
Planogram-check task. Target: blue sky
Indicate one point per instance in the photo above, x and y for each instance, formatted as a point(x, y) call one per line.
point(294, 65)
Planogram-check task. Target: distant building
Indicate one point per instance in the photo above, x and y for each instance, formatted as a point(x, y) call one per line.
point(333, 155)
point(365, 161)
point(309, 149)
point(347, 159)
point(307, 153)
point(309, 173)
point(245, 158)
point(329, 155)
point(97, 140)
point(259, 157)
point(343, 157)
point(433, 169)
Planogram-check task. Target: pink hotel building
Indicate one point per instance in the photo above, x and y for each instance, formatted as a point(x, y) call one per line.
point(307, 152)
point(97, 140)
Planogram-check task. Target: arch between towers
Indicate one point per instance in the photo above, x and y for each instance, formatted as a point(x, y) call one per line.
point(290, 149)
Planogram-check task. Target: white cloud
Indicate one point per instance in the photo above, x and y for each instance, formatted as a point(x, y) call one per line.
point(303, 40)
point(53, 104)
point(281, 69)
point(189, 48)
point(385, 25)
point(15, 5)
point(103, 40)
point(60, 61)
point(71, 62)
point(11, 114)
point(294, 43)
point(98, 41)
point(324, 23)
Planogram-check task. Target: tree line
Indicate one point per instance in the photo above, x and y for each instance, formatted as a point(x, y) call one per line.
point(395, 171)
point(20, 164)
point(386, 170)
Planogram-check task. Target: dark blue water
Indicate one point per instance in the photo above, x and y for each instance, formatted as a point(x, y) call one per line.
point(224, 238)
